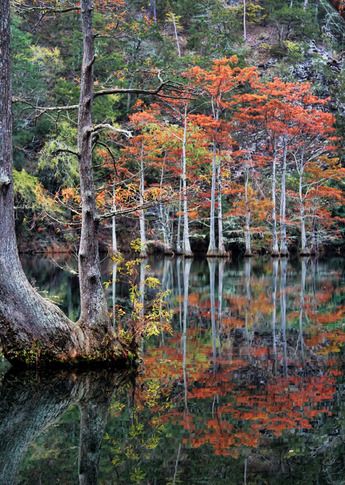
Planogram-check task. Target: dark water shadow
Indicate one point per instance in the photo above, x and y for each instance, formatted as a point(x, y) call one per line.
point(30, 402)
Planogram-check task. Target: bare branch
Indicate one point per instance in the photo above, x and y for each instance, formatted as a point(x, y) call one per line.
point(149, 92)
point(129, 210)
point(107, 126)
point(46, 9)
point(66, 150)
point(175, 88)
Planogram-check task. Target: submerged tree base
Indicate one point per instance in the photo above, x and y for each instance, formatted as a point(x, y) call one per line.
point(307, 252)
point(218, 254)
point(113, 354)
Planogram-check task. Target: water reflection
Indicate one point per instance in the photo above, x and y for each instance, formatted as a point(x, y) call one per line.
point(249, 388)
point(30, 403)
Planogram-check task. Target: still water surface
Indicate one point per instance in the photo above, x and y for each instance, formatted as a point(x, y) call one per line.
point(248, 388)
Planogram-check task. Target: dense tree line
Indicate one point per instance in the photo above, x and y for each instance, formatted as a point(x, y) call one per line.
point(194, 138)
point(203, 173)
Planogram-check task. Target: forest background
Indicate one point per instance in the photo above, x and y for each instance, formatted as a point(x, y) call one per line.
point(239, 150)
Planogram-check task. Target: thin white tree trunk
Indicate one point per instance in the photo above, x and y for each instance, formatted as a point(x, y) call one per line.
point(220, 294)
point(179, 289)
point(221, 244)
point(247, 235)
point(283, 238)
point(164, 220)
point(179, 221)
point(187, 251)
point(275, 249)
point(176, 36)
point(315, 242)
point(212, 247)
point(143, 242)
point(113, 291)
point(304, 249)
point(113, 225)
point(154, 10)
point(274, 304)
point(245, 20)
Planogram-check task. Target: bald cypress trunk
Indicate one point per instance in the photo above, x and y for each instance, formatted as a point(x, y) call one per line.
point(93, 304)
point(32, 330)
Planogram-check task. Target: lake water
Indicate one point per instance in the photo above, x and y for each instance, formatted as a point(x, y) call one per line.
point(247, 389)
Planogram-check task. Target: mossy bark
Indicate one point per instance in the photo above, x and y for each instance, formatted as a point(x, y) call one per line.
point(33, 331)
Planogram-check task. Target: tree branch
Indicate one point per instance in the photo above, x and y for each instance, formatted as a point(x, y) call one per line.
point(129, 210)
point(107, 126)
point(149, 92)
point(47, 9)
point(66, 150)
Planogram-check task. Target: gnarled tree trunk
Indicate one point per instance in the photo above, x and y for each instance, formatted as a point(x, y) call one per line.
point(32, 330)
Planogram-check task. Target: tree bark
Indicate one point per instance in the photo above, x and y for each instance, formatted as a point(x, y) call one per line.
point(247, 235)
point(26, 319)
point(244, 20)
point(186, 248)
point(178, 246)
point(114, 248)
point(164, 220)
point(92, 299)
point(32, 330)
point(212, 247)
point(221, 244)
point(143, 243)
point(304, 249)
point(275, 249)
point(283, 239)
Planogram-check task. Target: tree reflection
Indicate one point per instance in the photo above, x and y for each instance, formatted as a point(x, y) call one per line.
point(31, 402)
point(270, 406)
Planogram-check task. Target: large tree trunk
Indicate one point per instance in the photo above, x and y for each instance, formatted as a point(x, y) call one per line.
point(93, 304)
point(28, 324)
point(32, 330)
